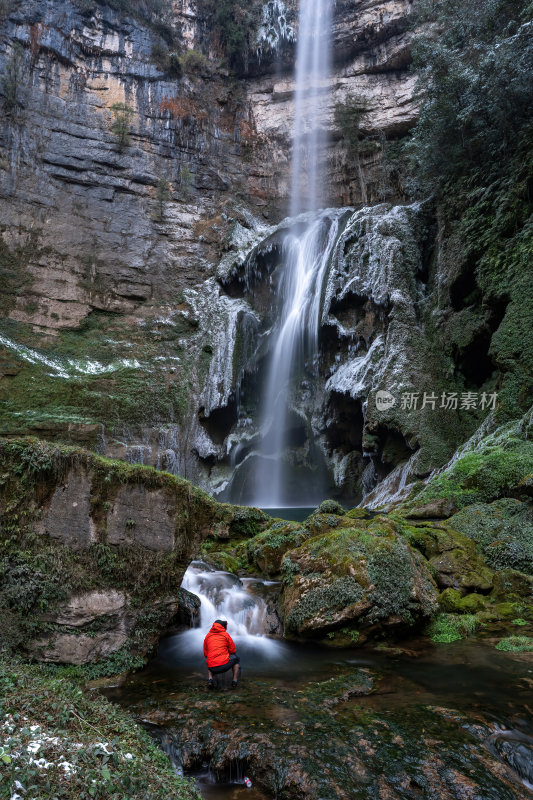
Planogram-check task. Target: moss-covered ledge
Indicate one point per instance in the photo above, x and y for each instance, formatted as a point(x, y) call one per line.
point(93, 551)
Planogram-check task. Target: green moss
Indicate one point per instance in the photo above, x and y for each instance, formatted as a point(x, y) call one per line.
point(357, 513)
point(506, 610)
point(267, 549)
point(472, 603)
point(516, 644)
point(338, 595)
point(449, 600)
point(494, 468)
point(504, 531)
point(519, 621)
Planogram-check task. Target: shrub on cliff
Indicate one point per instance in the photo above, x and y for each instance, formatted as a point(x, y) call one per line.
point(234, 25)
point(120, 127)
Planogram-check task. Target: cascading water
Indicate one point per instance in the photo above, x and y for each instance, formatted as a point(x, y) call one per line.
point(305, 261)
point(306, 255)
point(246, 610)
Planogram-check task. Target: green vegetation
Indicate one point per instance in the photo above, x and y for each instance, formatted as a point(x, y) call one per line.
point(447, 628)
point(473, 149)
point(504, 531)
point(516, 644)
point(92, 749)
point(194, 62)
point(493, 469)
point(162, 196)
point(168, 61)
point(323, 601)
point(348, 116)
point(106, 386)
point(120, 127)
point(234, 26)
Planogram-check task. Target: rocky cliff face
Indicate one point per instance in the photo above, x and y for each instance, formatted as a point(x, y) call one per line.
point(141, 193)
point(126, 173)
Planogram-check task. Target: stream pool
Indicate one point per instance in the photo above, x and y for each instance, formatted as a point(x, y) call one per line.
point(308, 722)
point(474, 702)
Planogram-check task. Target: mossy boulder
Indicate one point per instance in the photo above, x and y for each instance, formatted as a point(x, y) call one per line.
point(452, 556)
point(513, 585)
point(266, 550)
point(318, 522)
point(365, 578)
point(330, 507)
point(452, 601)
point(503, 530)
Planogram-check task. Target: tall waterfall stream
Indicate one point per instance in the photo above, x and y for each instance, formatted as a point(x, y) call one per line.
point(306, 256)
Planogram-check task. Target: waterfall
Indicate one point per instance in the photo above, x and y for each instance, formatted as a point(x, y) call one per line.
point(223, 593)
point(306, 254)
point(306, 257)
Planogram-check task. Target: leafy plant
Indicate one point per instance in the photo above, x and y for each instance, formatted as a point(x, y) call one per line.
point(162, 196)
point(168, 61)
point(516, 644)
point(120, 127)
point(447, 628)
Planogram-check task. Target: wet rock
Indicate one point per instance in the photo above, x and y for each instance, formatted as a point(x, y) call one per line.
point(188, 608)
point(88, 607)
point(67, 648)
point(141, 516)
point(327, 739)
point(439, 508)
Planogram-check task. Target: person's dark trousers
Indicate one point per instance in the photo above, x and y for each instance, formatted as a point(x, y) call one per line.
point(225, 667)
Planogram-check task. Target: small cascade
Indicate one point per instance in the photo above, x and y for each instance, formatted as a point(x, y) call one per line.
point(241, 600)
point(224, 593)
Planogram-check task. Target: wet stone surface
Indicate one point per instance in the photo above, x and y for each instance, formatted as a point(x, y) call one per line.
point(445, 722)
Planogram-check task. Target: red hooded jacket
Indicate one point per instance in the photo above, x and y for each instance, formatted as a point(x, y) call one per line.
point(218, 646)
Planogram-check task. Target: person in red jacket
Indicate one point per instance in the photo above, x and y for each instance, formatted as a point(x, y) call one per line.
point(220, 652)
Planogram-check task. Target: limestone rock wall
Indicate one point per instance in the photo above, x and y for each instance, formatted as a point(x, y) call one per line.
point(112, 229)
point(96, 552)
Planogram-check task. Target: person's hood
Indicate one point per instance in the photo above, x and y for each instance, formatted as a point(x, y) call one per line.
point(216, 627)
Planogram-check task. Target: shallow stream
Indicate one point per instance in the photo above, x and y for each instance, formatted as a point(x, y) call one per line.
point(420, 721)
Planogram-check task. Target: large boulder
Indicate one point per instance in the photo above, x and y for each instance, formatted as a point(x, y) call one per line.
point(358, 580)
